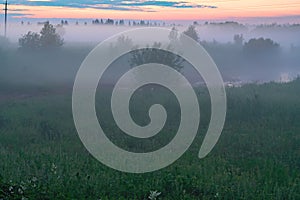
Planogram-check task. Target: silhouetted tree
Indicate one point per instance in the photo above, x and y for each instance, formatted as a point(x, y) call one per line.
point(30, 41)
point(121, 22)
point(192, 33)
point(173, 36)
point(64, 22)
point(49, 37)
point(109, 21)
point(155, 55)
point(96, 21)
point(260, 46)
point(238, 39)
point(123, 42)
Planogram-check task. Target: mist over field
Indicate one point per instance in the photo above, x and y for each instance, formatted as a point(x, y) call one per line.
point(60, 66)
point(285, 34)
point(42, 155)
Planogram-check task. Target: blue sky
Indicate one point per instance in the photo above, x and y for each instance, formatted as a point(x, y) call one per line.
point(113, 4)
point(154, 9)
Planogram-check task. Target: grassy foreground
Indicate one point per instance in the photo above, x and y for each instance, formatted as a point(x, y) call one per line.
point(257, 156)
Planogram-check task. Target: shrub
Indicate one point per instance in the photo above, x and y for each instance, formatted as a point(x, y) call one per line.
point(48, 38)
point(30, 41)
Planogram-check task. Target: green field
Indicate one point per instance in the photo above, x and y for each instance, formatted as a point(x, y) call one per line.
point(257, 156)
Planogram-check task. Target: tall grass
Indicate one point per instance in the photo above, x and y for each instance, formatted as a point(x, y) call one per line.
point(257, 156)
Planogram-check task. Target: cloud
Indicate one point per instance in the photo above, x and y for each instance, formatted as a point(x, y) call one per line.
point(18, 15)
point(120, 5)
point(17, 10)
point(112, 7)
point(175, 4)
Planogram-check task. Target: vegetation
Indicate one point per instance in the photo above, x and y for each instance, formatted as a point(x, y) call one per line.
point(261, 46)
point(48, 38)
point(238, 39)
point(257, 156)
point(192, 33)
point(154, 55)
point(42, 157)
point(30, 41)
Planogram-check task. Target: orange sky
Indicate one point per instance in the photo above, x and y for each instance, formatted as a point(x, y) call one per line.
point(225, 9)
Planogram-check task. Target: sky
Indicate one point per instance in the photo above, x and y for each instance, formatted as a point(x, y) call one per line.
point(154, 9)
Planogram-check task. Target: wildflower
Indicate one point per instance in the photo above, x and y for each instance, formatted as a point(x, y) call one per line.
point(217, 195)
point(22, 186)
point(11, 189)
point(53, 168)
point(153, 195)
point(20, 191)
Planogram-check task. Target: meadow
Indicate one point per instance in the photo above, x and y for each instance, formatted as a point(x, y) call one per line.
point(42, 157)
point(257, 156)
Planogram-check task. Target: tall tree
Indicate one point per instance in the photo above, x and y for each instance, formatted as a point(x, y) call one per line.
point(261, 46)
point(30, 41)
point(192, 33)
point(49, 37)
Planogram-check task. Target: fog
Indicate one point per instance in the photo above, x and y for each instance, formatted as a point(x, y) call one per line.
point(59, 67)
point(285, 34)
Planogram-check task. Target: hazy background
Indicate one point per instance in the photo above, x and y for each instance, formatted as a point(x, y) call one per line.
point(90, 33)
point(59, 66)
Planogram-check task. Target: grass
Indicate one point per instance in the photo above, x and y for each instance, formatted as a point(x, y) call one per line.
point(257, 156)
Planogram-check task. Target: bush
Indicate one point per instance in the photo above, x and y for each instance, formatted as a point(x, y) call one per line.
point(155, 55)
point(261, 46)
point(30, 41)
point(192, 33)
point(48, 38)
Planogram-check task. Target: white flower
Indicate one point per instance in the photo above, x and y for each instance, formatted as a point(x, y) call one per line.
point(20, 191)
point(217, 195)
point(22, 186)
point(53, 168)
point(153, 195)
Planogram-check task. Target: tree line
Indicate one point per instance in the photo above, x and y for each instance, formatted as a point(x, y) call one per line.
point(49, 38)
